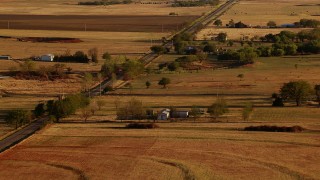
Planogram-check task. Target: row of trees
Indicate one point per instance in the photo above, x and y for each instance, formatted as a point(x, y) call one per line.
point(178, 3)
point(79, 56)
point(104, 2)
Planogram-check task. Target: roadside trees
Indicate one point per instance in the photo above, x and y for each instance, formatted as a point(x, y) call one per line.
point(148, 84)
point(18, 118)
point(158, 49)
point(298, 91)
point(39, 110)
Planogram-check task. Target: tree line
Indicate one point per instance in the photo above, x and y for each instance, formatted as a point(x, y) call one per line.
point(104, 2)
point(189, 3)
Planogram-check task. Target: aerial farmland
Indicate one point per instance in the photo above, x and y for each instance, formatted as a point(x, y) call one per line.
point(181, 89)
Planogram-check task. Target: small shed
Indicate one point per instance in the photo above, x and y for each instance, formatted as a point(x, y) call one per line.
point(180, 114)
point(164, 114)
point(5, 57)
point(47, 57)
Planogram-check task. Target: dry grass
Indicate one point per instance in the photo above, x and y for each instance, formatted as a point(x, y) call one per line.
point(175, 151)
point(259, 12)
point(113, 42)
point(266, 76)
point(67, 7)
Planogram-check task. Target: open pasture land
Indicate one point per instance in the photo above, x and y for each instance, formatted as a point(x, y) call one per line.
point(259, 12)
point(126, 43)
point(174, 151)
point(264, 77)
point(70, 7)
point(130, 23)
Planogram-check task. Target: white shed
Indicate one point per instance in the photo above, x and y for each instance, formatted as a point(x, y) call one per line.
point(47, 57)
point(164, 114)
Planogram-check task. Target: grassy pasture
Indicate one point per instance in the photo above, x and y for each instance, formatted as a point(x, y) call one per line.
point(263, 78)
point(259, 12)
point(175, 151)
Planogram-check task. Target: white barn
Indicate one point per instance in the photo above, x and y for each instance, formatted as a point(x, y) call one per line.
point(47, 57)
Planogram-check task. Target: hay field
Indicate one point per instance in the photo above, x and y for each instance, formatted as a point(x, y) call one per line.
point(174, 151)
point(259, 12)
point(68, 7)
point(113, 42)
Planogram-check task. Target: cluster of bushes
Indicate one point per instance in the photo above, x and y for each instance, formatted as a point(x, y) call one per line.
point(142, 126)
point(289, 43)
point(307, 23)
point(274, 128)
point(129, 69)
point(104, 2)
point(78, 56)
point(189, 3)
point(64, 107)
point(181, 41)
point(28, 70)
point(243, 56)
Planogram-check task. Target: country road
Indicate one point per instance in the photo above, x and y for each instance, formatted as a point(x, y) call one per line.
point(21, 134)
point(147, 59)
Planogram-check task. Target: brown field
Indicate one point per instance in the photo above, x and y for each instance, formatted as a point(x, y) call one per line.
point(112, 23)
point(259, 12)
point(175, 151)
point(113, 42)
point(69, 7)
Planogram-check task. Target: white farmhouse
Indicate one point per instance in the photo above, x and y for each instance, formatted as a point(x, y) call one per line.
point(47, 57)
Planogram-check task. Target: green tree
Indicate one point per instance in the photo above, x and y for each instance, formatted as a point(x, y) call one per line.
point(195, 113)
point(27, 66)
point(133, 109)
point(240, 76)
point(296, 90)
point(271, 24)
point(217, 22)
point(158, 49)
point(247, 55)
point(164, 82)
point(247, 111)
point(317, 90)
point(18, 118)
point(218, 108)
point(93, 53)
point(222, 37)
point(100, 103)
point(39, 110)
point(210, 48)
point(106, 56)
point(230, 43)
point(148, 84)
